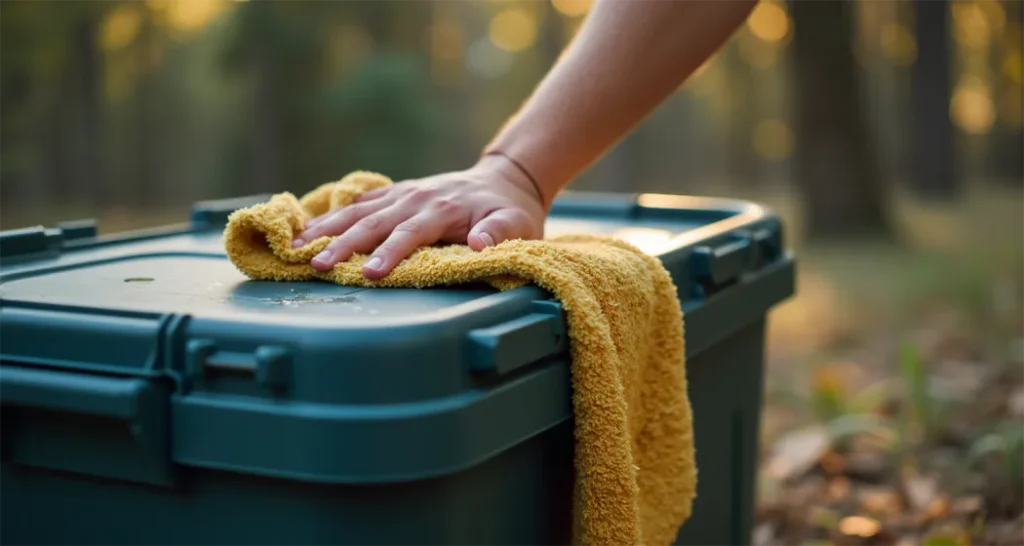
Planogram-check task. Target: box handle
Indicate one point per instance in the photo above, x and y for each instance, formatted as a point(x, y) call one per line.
point(75, 393)
point(508, 346)
point(102, 426)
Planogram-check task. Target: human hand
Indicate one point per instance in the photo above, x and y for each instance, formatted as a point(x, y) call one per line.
point(482, 206)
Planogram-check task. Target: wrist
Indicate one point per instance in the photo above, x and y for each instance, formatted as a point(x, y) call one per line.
point(513, 171)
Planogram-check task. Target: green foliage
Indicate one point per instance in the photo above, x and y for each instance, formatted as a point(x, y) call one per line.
point(921, 410)
point(379, 118)
point(881, 429)
point(1001, 452)
point(331, 117)
point(941, 540)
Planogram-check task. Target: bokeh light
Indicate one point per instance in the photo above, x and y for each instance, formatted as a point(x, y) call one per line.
point(121, 27)
point(572, 8)
point(994, 12)
point(769, 22)
point(898, 44)
point(513, 29)
point(971, 107)
point(192, 15)
point(970, 26)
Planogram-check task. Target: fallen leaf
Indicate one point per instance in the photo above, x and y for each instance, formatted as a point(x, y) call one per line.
point(869, 466)
point(1015, 404)
point(967, 506)
point(764, 534)
point(833, 462)
point(879, 500)
point(920, 490)
point(822, 517)
point(839, 488)
point(808, 492)
point(797, 452)
point(938, 507)
point(859, 526)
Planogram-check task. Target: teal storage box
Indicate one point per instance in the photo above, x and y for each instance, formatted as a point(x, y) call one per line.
point(151, 394)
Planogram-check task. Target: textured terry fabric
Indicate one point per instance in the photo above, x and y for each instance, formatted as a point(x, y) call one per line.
point(635, 471)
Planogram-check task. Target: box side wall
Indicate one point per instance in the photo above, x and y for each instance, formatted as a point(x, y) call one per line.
point(521, 496)
point(725, 386)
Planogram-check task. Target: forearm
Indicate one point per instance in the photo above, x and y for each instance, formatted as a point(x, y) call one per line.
point(628, 56)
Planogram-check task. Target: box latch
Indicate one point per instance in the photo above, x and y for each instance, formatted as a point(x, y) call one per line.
point(269, 365)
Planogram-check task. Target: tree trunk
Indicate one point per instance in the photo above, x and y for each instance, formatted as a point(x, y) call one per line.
point(836, 170)
point(146, 186)
point(265, 151)
point(744, 165)
point(1005, 153)
point(933, 172)
point(91, 119)
point(55, 146)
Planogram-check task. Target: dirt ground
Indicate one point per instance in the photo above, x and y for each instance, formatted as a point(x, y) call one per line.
point(895, 388)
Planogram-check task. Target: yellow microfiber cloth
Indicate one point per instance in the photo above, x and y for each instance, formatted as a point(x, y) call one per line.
point(635, 471)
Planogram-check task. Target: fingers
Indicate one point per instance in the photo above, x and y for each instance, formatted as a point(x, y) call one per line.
point(363, 236)
point(338, 221)
point(362, 198)
point(500, 225)
point(422, 229)
point(373, 194)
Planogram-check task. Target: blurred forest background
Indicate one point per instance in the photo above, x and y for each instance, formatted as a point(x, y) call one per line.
point(154, 104)
point(889, 134)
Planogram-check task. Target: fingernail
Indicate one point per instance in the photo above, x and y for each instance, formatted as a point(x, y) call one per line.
point(486, 238)
point(323, 256)
point(298, 242)
point(374, 263)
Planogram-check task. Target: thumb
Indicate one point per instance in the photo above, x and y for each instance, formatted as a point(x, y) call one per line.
point(500, 225)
